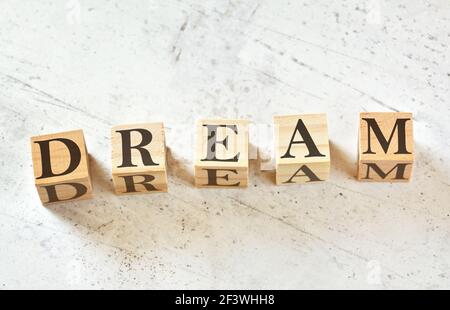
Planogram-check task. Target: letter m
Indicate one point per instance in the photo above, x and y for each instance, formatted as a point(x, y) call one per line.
point(399, 171)
point(400, 127)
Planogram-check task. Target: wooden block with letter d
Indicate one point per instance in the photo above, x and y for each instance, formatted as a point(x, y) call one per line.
point(302, 151)
point(61, 167)
point(221, 153)
point(139, 158)
point(386, 146)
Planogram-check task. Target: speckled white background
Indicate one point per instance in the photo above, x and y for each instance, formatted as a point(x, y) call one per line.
point(93, 64)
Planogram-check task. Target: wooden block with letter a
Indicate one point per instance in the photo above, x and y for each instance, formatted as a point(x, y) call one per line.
point(386, 146)
point(139, 158)
point(302, 151)
point(61, 167)
point(221, 153)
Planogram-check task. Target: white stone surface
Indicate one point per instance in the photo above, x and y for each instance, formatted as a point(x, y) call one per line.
point(93, 64)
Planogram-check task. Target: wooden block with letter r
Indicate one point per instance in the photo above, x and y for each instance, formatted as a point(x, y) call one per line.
point(139, 158)
point(302, 151)
point(221, 153)
point(61, 167)
point(386, 146)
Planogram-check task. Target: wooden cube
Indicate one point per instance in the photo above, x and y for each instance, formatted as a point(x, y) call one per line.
point(386, 147)
point(139, 158)
point(302, 151)
point(61, 167)
point(221, 153)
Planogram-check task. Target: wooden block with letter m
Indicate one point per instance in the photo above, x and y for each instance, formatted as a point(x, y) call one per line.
point(386, 147)
point(139, 158)
point(61, 167)
point(221, 153)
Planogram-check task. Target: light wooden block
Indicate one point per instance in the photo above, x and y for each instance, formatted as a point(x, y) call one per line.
point(302, 151)
point(386, 147)
point(139, 158)
point(61, 167)
point(218, 163)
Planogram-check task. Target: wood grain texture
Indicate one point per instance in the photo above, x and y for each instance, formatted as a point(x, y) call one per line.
point(380, 164)
point(318, 166)
point(138, 170)
point(60, 158)
point(228, 140)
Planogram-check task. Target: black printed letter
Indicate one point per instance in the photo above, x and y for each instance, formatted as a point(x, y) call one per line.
point(312, 148)
point(130, 184)
point(400, 175)
point(212, 177)
point(212, 142)
point(307, 173)
point(126, 147)
point(53, 196)
point(75, 157)
point(399, 124)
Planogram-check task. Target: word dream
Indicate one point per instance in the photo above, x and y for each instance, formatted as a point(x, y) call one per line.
point(302, 155)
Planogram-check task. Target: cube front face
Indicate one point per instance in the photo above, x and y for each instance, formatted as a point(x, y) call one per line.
point(302, 152)
point(61, 167)
point(221, 153)
point(386, 147)
point(139, 158)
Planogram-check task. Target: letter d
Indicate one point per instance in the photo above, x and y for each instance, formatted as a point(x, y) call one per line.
point(75, 157)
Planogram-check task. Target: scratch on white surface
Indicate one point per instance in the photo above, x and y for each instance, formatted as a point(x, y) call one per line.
point(53, 100)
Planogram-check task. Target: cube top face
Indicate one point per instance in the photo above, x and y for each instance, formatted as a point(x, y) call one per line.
point(148, 137)
point(222, 143)
point(285, 126)
point(386, 136)
point(62, 149)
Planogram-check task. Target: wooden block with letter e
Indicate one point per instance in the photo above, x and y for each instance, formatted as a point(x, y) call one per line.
point(302, 151)
point(61, 167)
point(221, 153)
point(386, 146)
point(139, 158)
